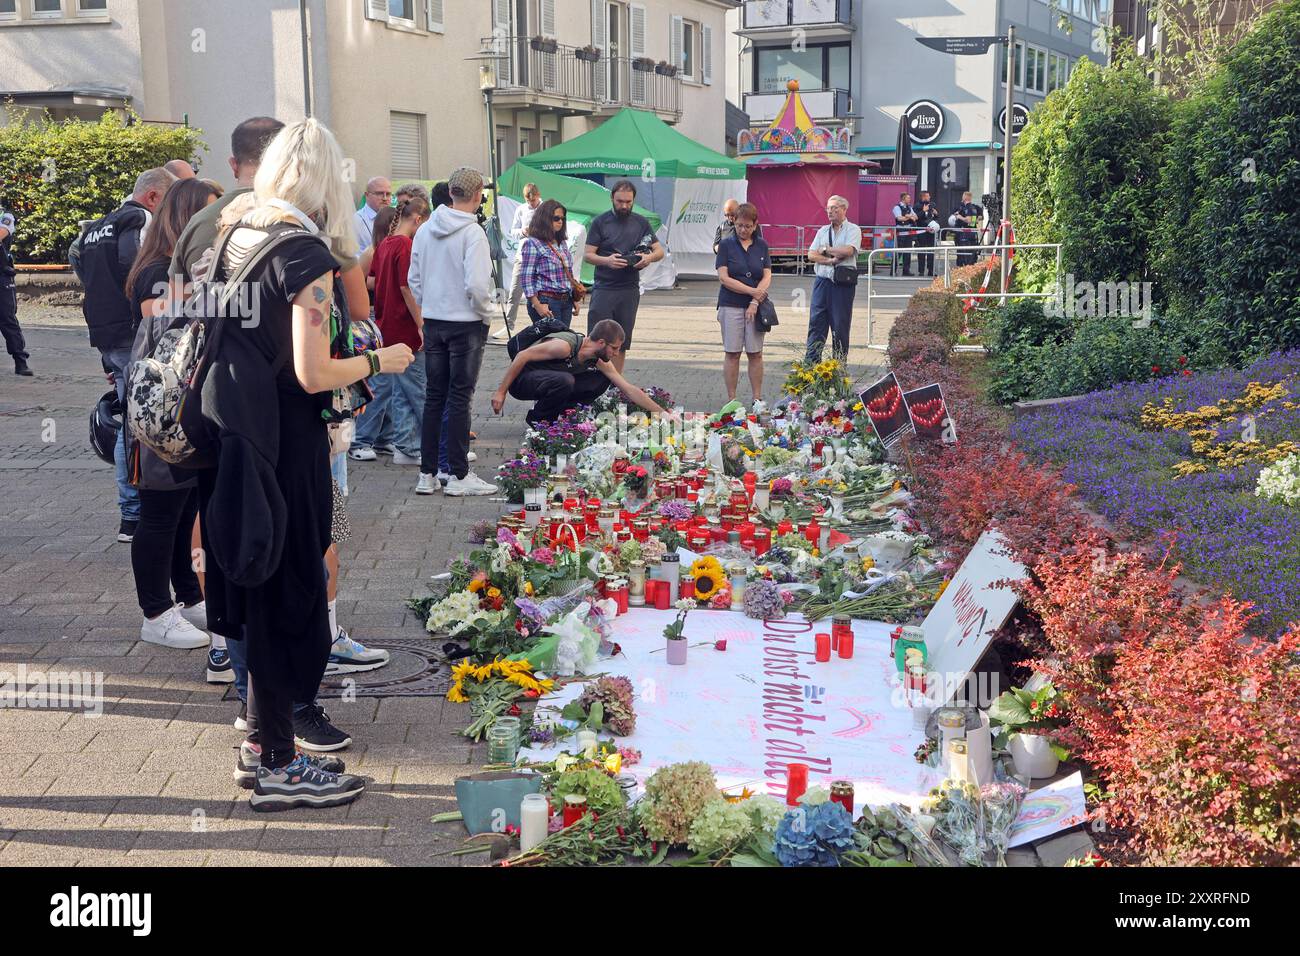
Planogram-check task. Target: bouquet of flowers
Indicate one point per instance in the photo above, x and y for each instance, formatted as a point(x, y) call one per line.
point(492, 690)
point(566, 435)
point(636, 480)
point(605, 704)
point(527, 471)
point(823, 381)
point(674, 797)
point(814, 835)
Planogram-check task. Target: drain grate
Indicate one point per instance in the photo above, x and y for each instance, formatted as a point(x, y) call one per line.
point(415, 668)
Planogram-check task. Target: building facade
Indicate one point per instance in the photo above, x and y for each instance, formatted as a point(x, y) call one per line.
point(859, 64)
point(395, 79)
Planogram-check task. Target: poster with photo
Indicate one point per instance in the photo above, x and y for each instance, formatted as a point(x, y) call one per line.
point(929, 413)
point(887, 410)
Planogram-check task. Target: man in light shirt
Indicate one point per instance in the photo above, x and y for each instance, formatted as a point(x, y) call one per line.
point(836, 245)
point(519, 229)
point(379, 193)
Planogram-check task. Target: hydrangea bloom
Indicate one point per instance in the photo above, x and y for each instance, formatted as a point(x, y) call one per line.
point(720, 825)
point(813, 836)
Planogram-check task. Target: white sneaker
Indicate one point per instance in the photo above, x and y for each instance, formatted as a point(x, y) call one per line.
point(471, 484)
point(362, 453)
point(443, 478)
point(196, 614)
point(500, 333)
point(402, 458)
point(387, 449)
point(170, 629)
point(470, 456)
point(427, 484)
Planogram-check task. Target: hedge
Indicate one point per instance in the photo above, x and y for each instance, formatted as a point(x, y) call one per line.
point(54, 174)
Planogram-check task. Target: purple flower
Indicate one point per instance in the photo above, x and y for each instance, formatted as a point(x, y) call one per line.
point(675, 509)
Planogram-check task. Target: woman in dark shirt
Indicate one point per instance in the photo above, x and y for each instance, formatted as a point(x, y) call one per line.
point(160, 552)
point(745, 271)
point(267, 504)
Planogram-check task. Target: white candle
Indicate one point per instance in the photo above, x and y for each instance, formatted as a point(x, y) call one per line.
point(586, 740)
point(533, 815)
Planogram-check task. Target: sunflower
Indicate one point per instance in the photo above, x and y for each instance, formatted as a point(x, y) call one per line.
point(709, 577)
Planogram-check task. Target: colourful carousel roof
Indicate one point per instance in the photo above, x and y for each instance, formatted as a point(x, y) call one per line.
point(793, 138)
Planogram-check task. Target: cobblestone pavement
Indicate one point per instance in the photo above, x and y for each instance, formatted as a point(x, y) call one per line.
point(148, 782)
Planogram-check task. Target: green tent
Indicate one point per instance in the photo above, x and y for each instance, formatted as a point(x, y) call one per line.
point(621, 145)
point(683, 181)
point(583, 199)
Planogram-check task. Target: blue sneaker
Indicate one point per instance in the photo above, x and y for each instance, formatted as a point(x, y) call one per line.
point(219, 669)
point(301, 783)
point(348, 656)
point(250, 758)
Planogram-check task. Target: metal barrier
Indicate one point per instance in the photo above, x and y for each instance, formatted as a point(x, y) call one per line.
point(947, 280)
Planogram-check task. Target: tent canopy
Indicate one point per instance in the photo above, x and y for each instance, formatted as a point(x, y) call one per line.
point(581, 197)
point(621, 145)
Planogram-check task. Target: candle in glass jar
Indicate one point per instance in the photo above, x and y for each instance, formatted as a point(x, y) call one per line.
point(796, 783)
point(534, 813)
point(842, 793)
point(575, 808)
point(845, 645)
point(586, 740)
point(823, 648)
point(762, 496)
point(636, 584)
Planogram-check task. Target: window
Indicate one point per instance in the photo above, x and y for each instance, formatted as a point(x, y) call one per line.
point(689, 32)
point(407, 145)
point(47, 9)
point(822, 67)
point(8, 9)
point(92, 8)
point(402, 10)
point(1018, 65)
point(1058, 71)
point(523, 146)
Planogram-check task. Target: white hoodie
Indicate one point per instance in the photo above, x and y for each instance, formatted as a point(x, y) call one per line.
point(451, 268)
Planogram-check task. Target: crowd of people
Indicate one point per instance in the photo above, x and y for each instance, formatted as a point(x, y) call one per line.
point(345, 299)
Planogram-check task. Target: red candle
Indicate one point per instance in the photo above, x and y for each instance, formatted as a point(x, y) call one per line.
point(686, 587)
point(762, 541)
point(842, 793)
point(719, 534)
point(620, 599)
point(823, 648)
point(663, 595)
point(575, 808)
point(747, 531)
point(750, 479)
point(813, 531)
point(835, 638)
point(796, 783)
point(785, 527)
point(846, 643)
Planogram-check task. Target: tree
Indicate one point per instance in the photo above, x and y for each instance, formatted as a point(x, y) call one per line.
point(1230, 198)
point(54, 174)
point(1086, 171)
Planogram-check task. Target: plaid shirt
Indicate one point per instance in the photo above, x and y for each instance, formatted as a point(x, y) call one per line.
point(543, 271)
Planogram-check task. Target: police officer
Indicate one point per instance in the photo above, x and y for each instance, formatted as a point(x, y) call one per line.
point(905, 218)
point(966, 218)
point(9, 328)
point(927, 219)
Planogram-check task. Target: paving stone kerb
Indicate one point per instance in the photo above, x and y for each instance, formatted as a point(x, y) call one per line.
point(148, 782)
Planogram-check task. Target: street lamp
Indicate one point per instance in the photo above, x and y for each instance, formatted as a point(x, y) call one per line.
point(487, 59)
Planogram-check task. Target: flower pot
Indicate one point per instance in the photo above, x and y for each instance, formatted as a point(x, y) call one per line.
point(1032, 755)
point(676, 651)
point(544, 45)
point(588, 56)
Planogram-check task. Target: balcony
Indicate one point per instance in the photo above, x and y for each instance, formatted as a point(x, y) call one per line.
point(554, 79)
point(824, 106)
point(779, 19)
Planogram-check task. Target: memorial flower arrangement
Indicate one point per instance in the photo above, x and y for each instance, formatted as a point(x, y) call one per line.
point(814, 835)
point(709, 577)
point(605, 704)
point(519, 474)
point(821, 381)
point(565, 435)
point(763, 600)
point(492, 690)
point(674, 796)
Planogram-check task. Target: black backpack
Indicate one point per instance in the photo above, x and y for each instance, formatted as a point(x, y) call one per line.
point(534, 334)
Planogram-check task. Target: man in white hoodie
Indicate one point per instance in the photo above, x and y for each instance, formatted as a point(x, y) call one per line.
point(451, 279)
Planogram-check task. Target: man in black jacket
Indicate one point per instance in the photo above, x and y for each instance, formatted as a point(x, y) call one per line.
point(108, 249)
point(9, 327)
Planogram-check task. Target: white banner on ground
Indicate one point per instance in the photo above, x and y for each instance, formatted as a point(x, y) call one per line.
point(1050, 809)
point(764, 703)
point(696, 214)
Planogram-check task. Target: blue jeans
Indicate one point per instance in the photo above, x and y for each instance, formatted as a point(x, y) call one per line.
point(453, 355)
point(561, 307)
point(832, 311)
point(339, 471)
point(128, 496)
point(396, 416)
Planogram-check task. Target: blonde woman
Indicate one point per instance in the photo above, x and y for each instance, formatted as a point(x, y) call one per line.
point(267, 504)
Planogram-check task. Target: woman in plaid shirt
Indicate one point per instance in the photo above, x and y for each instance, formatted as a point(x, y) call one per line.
point(547, 267)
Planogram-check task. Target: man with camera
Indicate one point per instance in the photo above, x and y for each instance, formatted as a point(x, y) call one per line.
point(620, 243)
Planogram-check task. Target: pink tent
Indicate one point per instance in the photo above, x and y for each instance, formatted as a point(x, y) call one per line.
point(792, 167)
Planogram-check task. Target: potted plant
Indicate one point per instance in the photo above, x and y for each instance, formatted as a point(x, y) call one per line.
point(1026, 720)
point(675, 640)
point(543, 44)
point(664, 68)
point(643, 64)
point(588, 53)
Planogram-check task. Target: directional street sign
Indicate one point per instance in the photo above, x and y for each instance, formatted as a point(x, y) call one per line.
point(961, 46)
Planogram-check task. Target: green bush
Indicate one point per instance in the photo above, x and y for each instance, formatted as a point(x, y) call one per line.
point(1087, 173)
point(54, 174)
point(1230, 246)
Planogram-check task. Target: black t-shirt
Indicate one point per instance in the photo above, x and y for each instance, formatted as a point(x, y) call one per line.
point(742, 265)
point(291, 267)
point(150, 283)
point(611, 234)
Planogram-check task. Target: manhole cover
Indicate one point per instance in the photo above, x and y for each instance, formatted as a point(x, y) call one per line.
point(415, 668)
